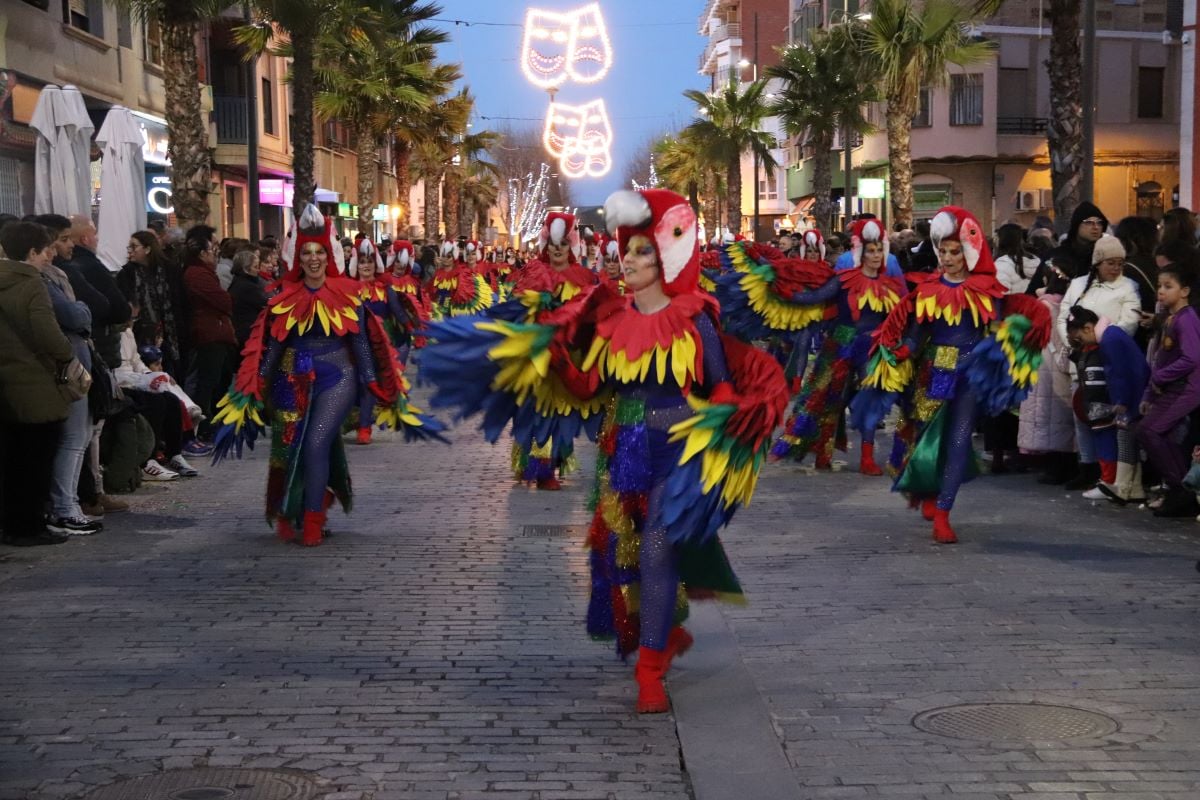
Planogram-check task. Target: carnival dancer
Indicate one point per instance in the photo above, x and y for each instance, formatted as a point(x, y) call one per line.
point(611, 271)
point(445, 278)
point(398, 313)
point(688, 413)
point(864, 295)
point(308, 354)
point(939, 349)
point(406, 281)
point(472, 292)
point(544, 284)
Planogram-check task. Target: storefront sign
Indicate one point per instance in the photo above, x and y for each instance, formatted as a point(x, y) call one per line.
point(347, 211)
point(158, 194)
point(276, 192)
point(871, 188)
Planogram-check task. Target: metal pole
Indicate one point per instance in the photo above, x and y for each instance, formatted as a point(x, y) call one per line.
point(1087, 92)
point(847, 171)
point(756, 160)
point(252, 140)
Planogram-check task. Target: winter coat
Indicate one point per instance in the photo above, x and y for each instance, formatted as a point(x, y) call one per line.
point(31, 348)
point(249, 299)
point(1117, 301)
point(106, 328)
point(210, 307)
point(1047, 421)
point(1007, 273)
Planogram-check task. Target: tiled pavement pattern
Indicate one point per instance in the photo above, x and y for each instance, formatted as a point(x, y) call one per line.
point(430, 650)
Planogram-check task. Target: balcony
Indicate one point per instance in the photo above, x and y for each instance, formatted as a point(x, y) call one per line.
point(730, 30)
point(1021, 126)
point(230, 114)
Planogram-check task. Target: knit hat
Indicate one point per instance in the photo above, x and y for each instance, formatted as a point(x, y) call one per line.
point(666, 219)
point(1107, 246)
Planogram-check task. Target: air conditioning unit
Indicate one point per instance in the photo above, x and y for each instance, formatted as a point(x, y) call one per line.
point(1029, 200)
point(1047, 198)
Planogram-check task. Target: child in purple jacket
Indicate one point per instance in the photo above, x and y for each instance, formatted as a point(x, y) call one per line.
point(1174, 390)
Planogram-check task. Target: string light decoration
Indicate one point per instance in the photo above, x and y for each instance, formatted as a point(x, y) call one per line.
point(527, 204)
point(651, 182)
point(580, 137)
point(558, 46)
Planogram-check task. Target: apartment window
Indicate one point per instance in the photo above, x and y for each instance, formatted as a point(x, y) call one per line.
point(768, 186)
point(924, 116)
point(928, 198)
point(1150, 92)
point(86, 15)
point(268, 107)
point(124, 29)
point(966, 99)
point(152, 39)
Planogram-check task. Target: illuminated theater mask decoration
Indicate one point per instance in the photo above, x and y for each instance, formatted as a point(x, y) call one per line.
point(568, 45)
point(580, 137)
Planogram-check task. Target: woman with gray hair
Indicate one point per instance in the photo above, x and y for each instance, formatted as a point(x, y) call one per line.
point(249, 293)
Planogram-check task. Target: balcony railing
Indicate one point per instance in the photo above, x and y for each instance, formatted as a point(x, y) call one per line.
point(730, 30)
point(230, 113)
point(1021, 126)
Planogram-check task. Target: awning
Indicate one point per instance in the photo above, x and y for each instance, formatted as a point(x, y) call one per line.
point(326, 196)
point(801, 208)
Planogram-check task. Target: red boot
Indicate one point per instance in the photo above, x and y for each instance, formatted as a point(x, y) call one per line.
point(866, 462)
point(679, 641)
point(314, 528)
point(364, 436)
point(650, 671)
point(929, 508)
point(284, 530)
point(942, 532)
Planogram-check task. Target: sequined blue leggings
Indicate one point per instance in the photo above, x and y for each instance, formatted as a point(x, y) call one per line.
point(333, 396)
point(659, 571)
point(963, 411)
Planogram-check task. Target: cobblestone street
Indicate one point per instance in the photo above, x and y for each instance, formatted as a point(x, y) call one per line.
point(433, 648)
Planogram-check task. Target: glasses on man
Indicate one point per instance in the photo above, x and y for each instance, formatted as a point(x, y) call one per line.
point(1093, 221)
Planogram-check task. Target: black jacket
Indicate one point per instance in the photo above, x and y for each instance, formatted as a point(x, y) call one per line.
point(106, 328)
point(249, 299)
point(1073, 257)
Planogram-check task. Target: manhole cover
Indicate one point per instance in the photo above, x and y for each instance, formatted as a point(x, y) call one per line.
point(553, 530)
point(1027, 722)
point(211, 784)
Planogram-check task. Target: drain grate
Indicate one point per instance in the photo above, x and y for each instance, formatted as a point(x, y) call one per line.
point(1024, 722)
point(212, 783)
point(544, 531)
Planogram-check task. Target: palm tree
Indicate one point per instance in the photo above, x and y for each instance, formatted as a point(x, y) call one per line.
point(372, 69)
point(729, 125)
point(434, 153)
point(825, 89)
point(911, 46)
point(480, 191)
point(468, 152)
point(1064, 132)
point(180, 22)
point(410, 129)
point(681, 165)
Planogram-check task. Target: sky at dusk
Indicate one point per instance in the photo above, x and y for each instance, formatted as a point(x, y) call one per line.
point(656, 52)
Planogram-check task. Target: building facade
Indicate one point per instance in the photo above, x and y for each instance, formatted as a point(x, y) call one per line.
point(979, 141)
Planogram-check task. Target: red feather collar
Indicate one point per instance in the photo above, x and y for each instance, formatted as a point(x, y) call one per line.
point(883, 288)
point(935, 298)
point(333, 308)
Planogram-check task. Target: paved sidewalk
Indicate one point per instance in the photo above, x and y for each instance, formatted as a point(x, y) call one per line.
point(432, 649)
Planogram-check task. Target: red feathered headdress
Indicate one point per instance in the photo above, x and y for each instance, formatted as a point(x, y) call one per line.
point(956, 224)
point(559, 227)
point(667, 220)
point(863, 231)
point(812, 245)
point(364, 250)
point(312, 226)
point(402, 251)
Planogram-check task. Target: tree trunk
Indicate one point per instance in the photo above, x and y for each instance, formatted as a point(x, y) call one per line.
point(712, 210)
point(481, 220)
point(302, 120)
point(693, 194)
point(733, 183)
point(1064, 129)
point(822, 208)
point(404, 185)
point(433, 207)
point(187, 143)
point(451, 214)
point(365, 149)
point(900, 112)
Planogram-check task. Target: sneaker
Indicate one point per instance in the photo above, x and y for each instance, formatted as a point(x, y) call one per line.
point(153, 471)
point(109, 505)
point(197, 448)
point(180, 465)
point(73, 526)
point(1096, 493)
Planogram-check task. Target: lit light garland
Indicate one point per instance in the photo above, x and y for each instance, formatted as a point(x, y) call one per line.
point(527, 205)
point(580, 137)
point(651, 182)
point(557, 46)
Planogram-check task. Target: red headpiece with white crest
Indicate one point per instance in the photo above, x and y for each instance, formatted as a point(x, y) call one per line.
point(863, 231)
point(667, 220)
point(559, 228)
point(313, 226)
point(956, 224)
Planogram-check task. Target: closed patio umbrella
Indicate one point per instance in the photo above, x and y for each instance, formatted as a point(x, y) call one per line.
point(62, 157)
point(122, 185)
